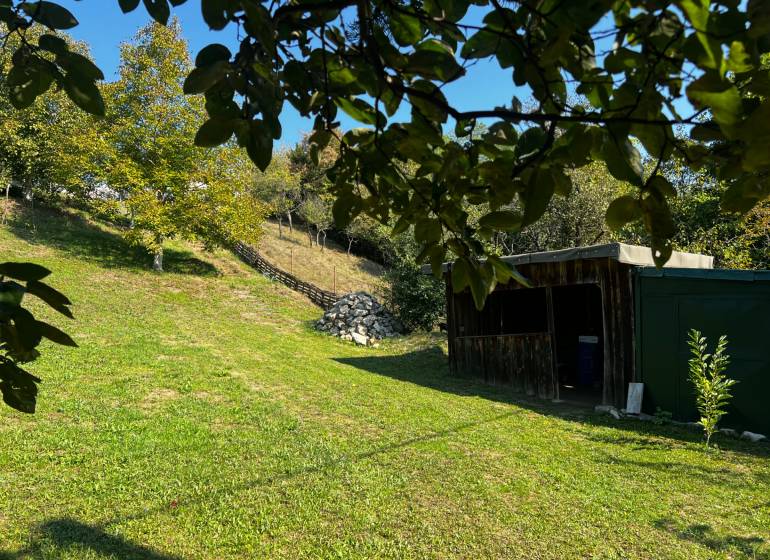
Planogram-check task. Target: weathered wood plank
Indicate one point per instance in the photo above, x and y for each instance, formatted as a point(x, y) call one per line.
point(614, 281)
point(521, 362)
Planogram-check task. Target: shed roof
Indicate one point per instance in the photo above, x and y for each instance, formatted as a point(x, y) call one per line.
point(713, 274)
point(635, 255)
point(621, 252)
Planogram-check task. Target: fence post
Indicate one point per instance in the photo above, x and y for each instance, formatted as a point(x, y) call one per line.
point(335, 280)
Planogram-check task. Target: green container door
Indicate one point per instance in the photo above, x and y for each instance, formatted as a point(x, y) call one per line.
point(669, 303)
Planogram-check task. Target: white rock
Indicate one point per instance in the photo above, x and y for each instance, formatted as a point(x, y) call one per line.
point(360, 339)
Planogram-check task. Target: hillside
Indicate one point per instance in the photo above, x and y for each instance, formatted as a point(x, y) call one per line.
point(294, 254)
point(202, 417)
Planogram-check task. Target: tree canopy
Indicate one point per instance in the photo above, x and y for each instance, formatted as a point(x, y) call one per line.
point(612, 80)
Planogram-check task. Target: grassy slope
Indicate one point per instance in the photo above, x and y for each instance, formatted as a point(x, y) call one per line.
point(316, 266)
point(202, 418)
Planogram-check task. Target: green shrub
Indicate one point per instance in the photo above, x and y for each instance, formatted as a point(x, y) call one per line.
point(712, 387)
point(416, 298)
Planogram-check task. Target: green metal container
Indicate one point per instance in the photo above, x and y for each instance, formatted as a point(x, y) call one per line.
point(736, 303)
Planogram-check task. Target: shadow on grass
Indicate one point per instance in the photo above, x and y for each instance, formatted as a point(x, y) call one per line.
point(705, 535)
point(428, 367)
point(71, 233)
point(61, 535)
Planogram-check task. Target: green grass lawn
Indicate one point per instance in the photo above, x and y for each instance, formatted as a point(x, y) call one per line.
point(202, 417)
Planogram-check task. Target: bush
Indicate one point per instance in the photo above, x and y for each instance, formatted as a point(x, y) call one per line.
point(712, 387)
point(416, 298)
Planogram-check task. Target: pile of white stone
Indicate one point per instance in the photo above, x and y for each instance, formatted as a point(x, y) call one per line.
point(360, 318)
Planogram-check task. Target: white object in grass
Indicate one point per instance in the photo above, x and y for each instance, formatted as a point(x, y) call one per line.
point(634, 403)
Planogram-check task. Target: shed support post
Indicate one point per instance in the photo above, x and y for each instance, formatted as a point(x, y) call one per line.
point(552, 338)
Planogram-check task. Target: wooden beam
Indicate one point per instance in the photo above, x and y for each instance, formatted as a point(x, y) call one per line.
point(552, 335)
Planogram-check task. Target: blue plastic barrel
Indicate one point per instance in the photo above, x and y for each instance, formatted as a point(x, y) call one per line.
point(588, 366)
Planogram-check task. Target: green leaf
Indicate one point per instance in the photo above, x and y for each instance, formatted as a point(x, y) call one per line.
point(460, 275)
point(662, 186)
point(721, 96)
point(434, 59)
point(432, 108)
point(201, 79)
point(343, 209)
point(700, 47)
point(481, 280)
point(621, 211)
point(49, 14)
point(55, 335)
point(79, 65)
point(537, 195)
point(159, 10)
point(623, 161)
point(211, 54)
point(128, 5)
point(214, 14)
point(402, 224)
point(357, 109)
point(27, 82)
point(84, 93)
point(53, 44)
point(259, 144)
point(427, 230)
point(481, 45)
point(406, 29)
point(215, 132)
point(26, 272)
point(624, 60)
point(530, 141)
point(739, 60)
point(505, 272)
point(501, 220)
point(744, 194)
point(661, 251)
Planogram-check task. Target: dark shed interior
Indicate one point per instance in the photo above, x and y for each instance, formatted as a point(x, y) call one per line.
point(569, 337)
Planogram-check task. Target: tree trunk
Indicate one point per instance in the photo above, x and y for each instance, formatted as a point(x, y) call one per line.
point(6, 207)
point(291, 225)
point(280, 227)
point(323, 247)
point(29, 194)
point(317, 236)
point(157, 258)
point(309, 235)
point(350, 244)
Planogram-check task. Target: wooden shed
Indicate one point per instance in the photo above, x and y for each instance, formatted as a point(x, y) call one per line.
point(569, 337)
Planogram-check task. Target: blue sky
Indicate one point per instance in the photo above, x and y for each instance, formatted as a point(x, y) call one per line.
point(103, 26)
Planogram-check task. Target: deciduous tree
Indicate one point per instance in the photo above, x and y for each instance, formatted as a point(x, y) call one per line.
point(639, 67)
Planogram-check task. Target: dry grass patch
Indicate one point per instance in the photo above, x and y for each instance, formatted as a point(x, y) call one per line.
point(313, 265)
point(157, 397)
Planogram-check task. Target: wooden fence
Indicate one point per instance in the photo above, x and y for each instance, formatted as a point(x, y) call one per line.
point(320, 297)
